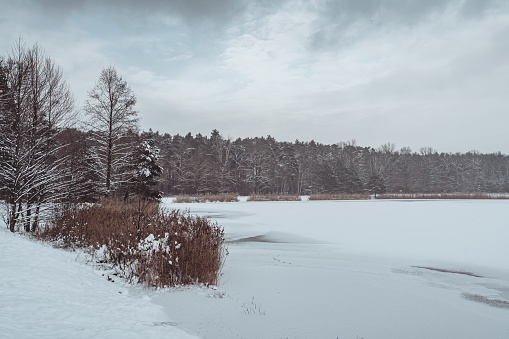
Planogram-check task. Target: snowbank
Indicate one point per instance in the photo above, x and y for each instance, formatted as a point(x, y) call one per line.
point(46, 293)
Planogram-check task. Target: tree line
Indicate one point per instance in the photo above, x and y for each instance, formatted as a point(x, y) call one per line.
point(213, 164)
point(50, 158)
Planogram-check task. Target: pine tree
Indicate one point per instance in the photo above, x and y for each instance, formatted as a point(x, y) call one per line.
point(376, 185)
point(148, 170)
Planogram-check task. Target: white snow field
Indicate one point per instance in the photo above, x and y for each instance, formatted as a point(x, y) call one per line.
point(347, 269)
point(310, 269)
point(47, 293)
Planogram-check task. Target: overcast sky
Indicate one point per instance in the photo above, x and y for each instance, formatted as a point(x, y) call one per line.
point(414, 73)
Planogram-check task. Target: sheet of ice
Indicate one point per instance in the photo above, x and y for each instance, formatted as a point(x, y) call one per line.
point(468, 231)
point(376, 276)
point(46, 293)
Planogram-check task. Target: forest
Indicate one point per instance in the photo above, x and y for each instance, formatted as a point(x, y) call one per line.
point(201, 164)
point(50, 156)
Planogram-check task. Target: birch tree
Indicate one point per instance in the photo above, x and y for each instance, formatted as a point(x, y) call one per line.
point(110, 108)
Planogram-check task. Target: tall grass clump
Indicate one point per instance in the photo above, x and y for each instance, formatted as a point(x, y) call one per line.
point(274, 197)
point(145, 242)
point(221, 197)
point(475, 195)
point(341, 196)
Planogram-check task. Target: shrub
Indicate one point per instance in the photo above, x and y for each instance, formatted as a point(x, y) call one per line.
point(476, 195)
point(341, 196)
point(221, 197)
point(273, 197)
point(146, 243)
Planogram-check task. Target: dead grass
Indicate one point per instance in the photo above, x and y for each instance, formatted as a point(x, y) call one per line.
point(145, 242)
point(221, 197)
point(476, 195)
point(341, 196)
point(273, 197)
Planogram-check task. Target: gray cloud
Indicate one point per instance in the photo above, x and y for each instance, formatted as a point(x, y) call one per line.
point(188, 10)
point(423, 73)
point(476, 9)
point(345, 22)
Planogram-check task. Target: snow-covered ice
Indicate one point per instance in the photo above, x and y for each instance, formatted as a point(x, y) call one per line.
point(350, 269)
point(310, 269)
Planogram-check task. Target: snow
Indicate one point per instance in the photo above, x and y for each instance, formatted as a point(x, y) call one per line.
point(350, 269)
point(310, 269)
point(47, 293)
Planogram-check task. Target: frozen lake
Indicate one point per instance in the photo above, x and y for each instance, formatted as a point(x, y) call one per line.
point(311, 269)
point(371, 269)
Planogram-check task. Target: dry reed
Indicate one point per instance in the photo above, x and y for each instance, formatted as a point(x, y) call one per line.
point(221, 197)
point(146, 243)
point(273, 197)
point(475, 195)
point(341, 196)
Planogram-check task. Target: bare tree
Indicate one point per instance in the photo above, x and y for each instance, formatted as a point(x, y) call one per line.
point(110, 108)
point(36, 106)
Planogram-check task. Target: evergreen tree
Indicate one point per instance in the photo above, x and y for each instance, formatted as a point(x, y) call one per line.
point(376, 185)
point(148, 170)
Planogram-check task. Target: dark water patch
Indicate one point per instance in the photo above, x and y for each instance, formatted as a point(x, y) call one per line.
point(277, 238)
point(484, 300)
point(258, 238)
point(221, 214)
point(166, 323)
point(215, 216)
point(470, 274)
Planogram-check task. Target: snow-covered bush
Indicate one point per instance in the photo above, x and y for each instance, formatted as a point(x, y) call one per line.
point(145, 242)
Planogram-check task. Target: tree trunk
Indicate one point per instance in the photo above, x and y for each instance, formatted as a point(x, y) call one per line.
point(12, 219)
point(29, 216)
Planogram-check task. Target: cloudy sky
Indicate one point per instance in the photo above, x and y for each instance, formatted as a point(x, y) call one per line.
point(411, 72)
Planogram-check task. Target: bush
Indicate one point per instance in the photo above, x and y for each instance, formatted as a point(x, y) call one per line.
point(341, 196)
point(273, 197)
point(476, 195)
point(146, 243)
point(222, 197)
